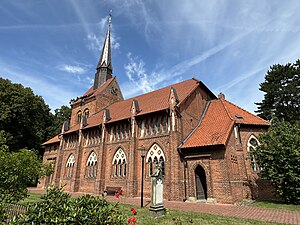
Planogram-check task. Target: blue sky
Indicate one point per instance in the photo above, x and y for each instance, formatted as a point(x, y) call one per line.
point(53, 46)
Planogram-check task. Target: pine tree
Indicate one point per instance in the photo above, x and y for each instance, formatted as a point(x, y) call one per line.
point(282, 93)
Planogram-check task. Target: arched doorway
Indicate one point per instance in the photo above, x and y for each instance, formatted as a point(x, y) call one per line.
point(201, 188)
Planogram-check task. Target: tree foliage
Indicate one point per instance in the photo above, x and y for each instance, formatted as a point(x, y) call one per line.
point(60, 115)
point(279, 157)
point(17, 170)
point(282, 93)
point(24, 116)
point(58, 207)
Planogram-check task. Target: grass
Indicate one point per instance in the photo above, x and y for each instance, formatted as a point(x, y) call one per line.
point(32, 198)
point(175, 217)
point(276, 205)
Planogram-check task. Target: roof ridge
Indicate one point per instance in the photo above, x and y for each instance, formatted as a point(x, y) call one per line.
point(171, 85)
point(244, 110)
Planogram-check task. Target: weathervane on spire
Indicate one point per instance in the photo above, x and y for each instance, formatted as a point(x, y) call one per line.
point(109, 17)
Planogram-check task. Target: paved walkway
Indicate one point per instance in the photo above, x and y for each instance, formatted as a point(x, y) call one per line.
point(247, 212)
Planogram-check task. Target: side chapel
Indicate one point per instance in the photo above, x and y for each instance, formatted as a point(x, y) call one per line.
point(203, 142)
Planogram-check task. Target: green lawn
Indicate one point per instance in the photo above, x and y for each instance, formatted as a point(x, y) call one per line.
point(32, 197)
point(178, 218)
point(276, 205)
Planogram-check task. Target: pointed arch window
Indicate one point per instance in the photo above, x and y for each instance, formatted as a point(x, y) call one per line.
point(86, 113)
point(155, 156)
point(252, 144)
point(119, 163)
point(91, 165)
point(79, 115)
point(70, 166)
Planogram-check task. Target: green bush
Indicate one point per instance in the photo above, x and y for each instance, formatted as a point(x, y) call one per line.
point(3, 215)
point(58, 207)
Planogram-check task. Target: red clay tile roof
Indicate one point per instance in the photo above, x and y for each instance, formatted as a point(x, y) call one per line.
point(153, 101)
point(52, 140)
point(150, 102)
point(218, 122)
point(242, 116)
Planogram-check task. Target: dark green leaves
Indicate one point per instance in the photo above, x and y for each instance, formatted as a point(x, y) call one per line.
point(279, 156)
point(282, 93)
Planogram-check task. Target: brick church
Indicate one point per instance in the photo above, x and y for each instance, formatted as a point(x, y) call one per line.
point(203, 142)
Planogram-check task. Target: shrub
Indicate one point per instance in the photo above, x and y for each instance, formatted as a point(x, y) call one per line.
point(58, 207)
point(3, 215)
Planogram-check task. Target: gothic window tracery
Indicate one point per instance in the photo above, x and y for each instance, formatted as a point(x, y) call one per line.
point(91, 165)
point(119, 163)
point(155, 156)
point(70, 166)
point(252, 144)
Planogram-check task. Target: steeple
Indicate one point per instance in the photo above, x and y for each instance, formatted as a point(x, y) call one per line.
point(104, 67)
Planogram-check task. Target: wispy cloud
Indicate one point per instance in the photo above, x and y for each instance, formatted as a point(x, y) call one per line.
point(95, 42)
point(135, 71)
point(72, 69)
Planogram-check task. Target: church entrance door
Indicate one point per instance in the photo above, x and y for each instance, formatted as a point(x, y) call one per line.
point(201, 189)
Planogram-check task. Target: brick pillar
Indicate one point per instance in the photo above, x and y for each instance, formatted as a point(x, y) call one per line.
point(58, 166)
point(131, 184)
point(102, 158)
point(75, 181)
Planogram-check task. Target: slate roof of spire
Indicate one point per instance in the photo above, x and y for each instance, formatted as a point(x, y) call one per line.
point(105, 59)
point(217, 123)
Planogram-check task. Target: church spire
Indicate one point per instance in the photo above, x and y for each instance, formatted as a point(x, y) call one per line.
point(104, 67)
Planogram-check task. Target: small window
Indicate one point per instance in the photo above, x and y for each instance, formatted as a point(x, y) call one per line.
point(86, 113)
point(79, 116)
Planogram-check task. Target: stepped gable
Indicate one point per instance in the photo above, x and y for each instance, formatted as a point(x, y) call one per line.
point(218, 122)
point(91, 92)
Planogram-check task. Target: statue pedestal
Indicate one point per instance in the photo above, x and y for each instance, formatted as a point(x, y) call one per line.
point(157, 208)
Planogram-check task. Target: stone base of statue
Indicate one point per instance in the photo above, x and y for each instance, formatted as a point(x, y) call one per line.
point(157, 211)
point(157, 208)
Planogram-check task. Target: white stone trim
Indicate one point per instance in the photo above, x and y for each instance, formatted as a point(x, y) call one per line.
point(119, 155)
point(155, 151)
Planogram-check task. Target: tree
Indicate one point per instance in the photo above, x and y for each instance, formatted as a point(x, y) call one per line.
point(17, 170)
point(282, 93)
point(60, 115)
point(24, 116)
point(279, 157)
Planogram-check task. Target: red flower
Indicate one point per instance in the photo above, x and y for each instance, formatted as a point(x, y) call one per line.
point(129, 220)
point(134, 212)
point(132, 209)
point(117, 195)
point(120, 192)
point(133, 219)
